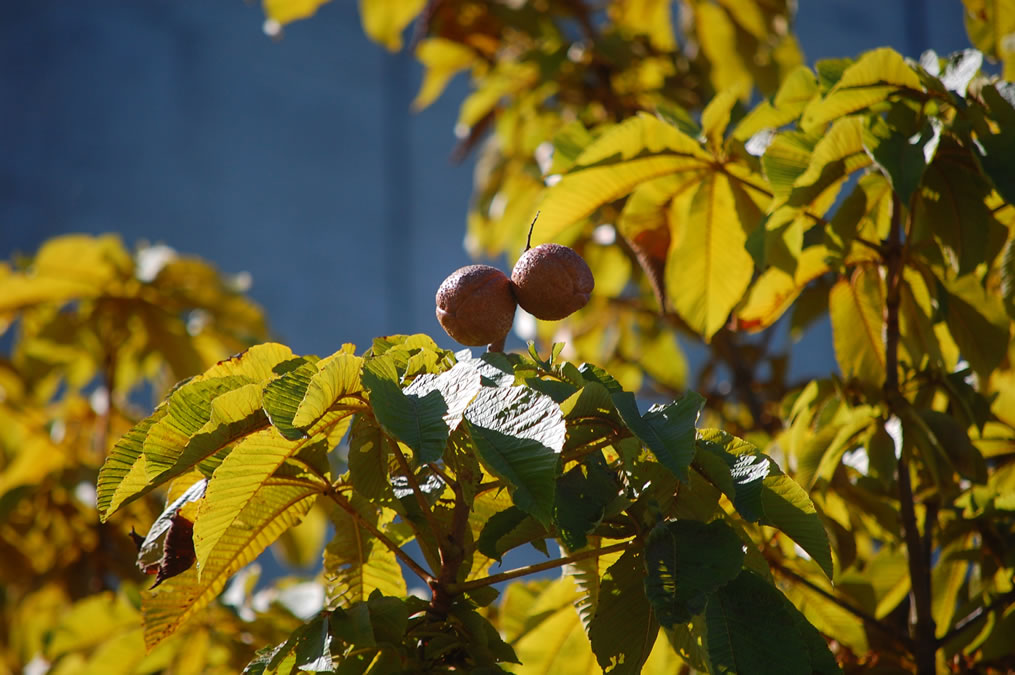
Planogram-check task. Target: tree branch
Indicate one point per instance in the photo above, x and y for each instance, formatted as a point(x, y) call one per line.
point(868, 619)
point(539, 567)
point(925, 643)
point(974, 617)
point(347, 506)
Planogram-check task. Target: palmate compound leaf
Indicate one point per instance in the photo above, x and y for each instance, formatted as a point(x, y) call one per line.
point(200, 418)
point(519, 434)
point(355, 562)
point(685, 561)
point(761, 493)
point(279, 505)
point(423, 414)
point(245, 471)
point(623, 628)
point(639, 149)
point(752, 628)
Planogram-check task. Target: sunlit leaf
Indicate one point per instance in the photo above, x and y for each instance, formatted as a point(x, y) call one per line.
point(667, 430)
point(774, 291)
point(708, 269)
point(286, 11)
point(795, 92)
point(442, 59)
point(519, 434)
point(384, 20)
point(337, 377)
point(875, 76)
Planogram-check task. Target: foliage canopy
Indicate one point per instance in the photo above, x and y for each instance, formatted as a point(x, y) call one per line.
point(722, 192)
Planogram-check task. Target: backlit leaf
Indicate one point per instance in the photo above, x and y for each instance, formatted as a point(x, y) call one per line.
point(384, 20)
point(355, 562)
point(856, 308)
point(708, 269)
point(623, 628)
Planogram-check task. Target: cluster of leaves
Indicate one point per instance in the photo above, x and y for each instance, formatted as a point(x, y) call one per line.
point(87, 325)
point(873, 192)
point(470, 458)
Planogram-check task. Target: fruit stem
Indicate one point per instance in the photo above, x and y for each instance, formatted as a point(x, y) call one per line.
point(528, 241)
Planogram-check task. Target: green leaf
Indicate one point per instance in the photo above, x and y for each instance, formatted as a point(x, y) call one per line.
point(415, 416)
point(370, 454)
point(977, 322)
point(686, 560)
point(994, 149)
point(355, 562)
point(856, 309)
point(519, 434)
point(873, 78)
point(623, 628)
point(667, 430)
point(124, 473)
point(506, 530)
point(838, 153)
point(708, 268)
point(760, 491)
point(902, 157)
point(1008, 278)
point(308, 649)
point(583, 493)
point(749, 630)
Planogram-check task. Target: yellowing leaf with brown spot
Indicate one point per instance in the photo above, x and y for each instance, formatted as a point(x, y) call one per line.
point(708, 269)
point(775, 290)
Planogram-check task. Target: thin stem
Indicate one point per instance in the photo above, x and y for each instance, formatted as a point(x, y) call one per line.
point(347, 506)
point(975, 616)
point(528, 241)
point(539, 567)
point(868, 619)
point(424, 505)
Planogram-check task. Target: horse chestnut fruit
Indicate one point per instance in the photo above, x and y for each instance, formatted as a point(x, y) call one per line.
point(475, 305)
point(551, 281)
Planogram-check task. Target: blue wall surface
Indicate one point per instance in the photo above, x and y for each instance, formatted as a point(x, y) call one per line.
point(296, 160)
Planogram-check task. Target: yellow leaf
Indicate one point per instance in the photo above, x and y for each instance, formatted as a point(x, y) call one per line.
point(718, 38)
point(838, 154)
point(796, 91)
point(646, 17)
point(856, 307)
point(873, 78)
point(442, 59)
point(355, 562)
point(337, 376)
point(708, 269)
point(555, 640)
point(278, 506)
point(637, 150)
point(775, 290)
point(384, 20)
point(716, 117)
point(991, 25)
point(287, 11)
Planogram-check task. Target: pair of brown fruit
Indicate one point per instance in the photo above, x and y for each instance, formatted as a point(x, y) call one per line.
point(476, 304)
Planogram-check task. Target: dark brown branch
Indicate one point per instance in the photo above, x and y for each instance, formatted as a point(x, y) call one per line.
point(539, 567)
point(925, 643)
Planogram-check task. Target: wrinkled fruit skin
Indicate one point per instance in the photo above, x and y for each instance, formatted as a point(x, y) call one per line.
point(551, 281)
point(475, 305)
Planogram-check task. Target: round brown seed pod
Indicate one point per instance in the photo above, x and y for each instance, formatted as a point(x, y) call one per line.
point(551, 281)
point(475, 305)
